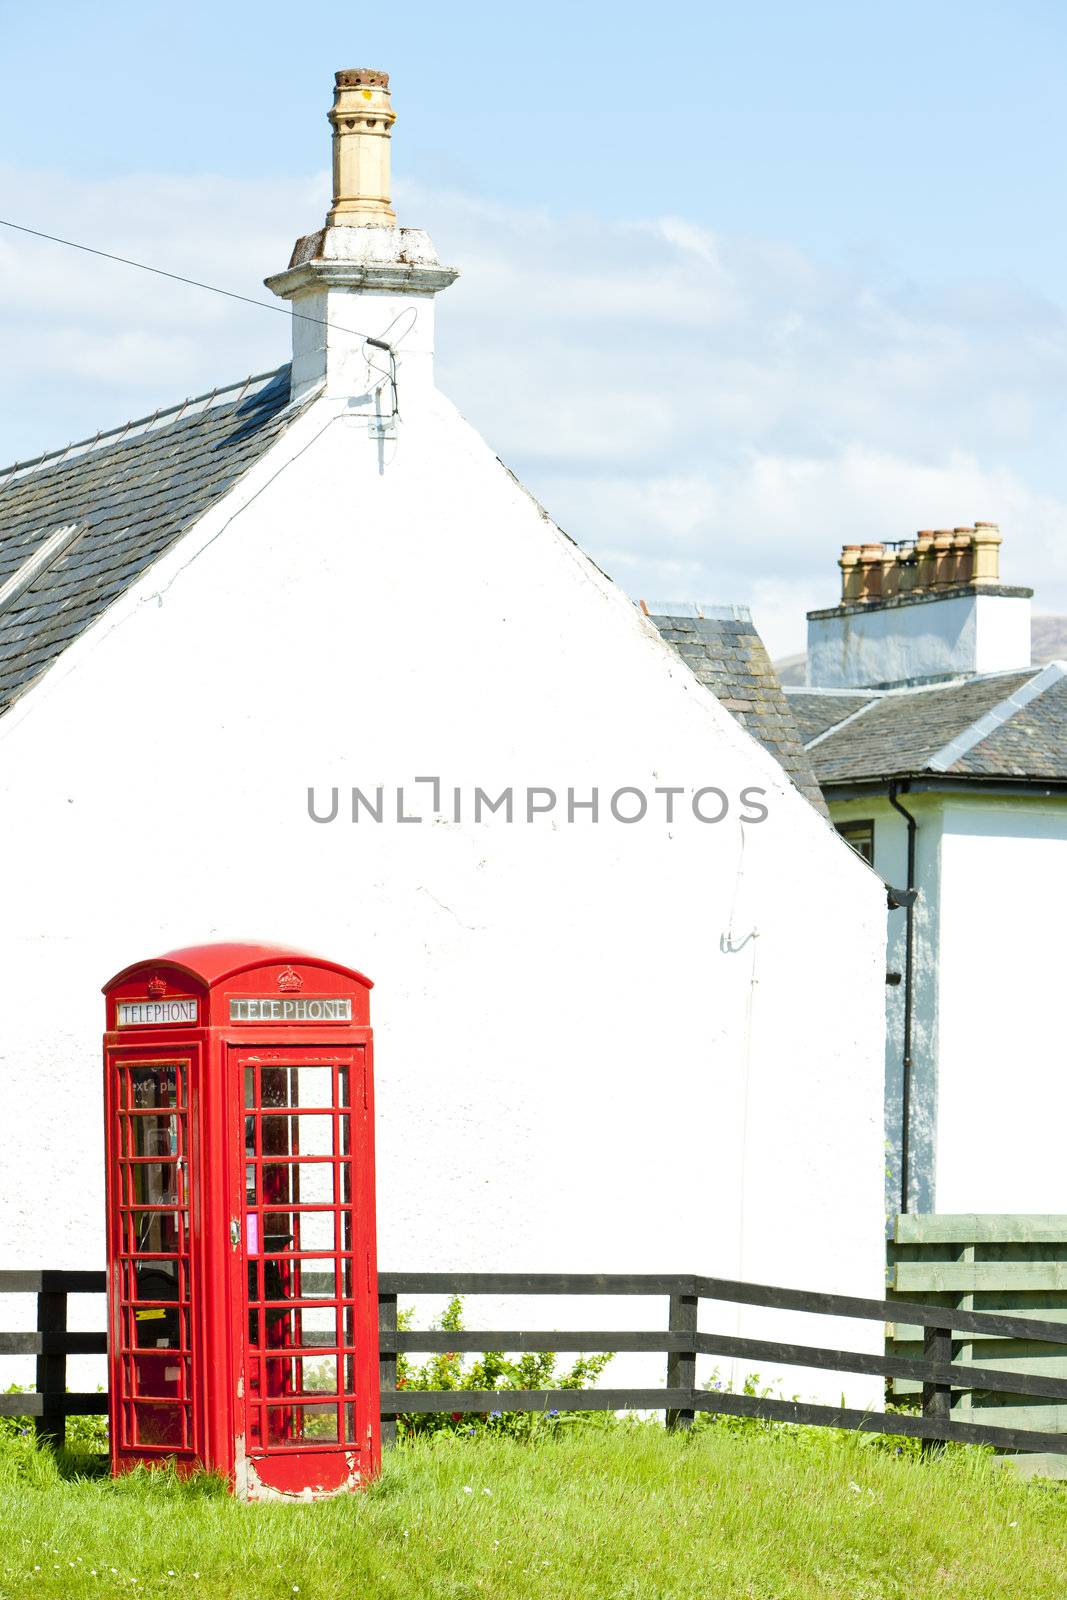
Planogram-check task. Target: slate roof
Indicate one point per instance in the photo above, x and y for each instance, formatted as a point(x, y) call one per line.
point(1005, 725)
point(720, 646)
point(130, 495)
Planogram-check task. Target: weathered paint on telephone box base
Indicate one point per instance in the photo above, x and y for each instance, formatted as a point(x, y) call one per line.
point(242, 1279)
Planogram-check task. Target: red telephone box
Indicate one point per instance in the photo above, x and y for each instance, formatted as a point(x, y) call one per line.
point(242, 1281)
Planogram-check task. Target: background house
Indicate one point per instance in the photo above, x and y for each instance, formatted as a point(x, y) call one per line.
point(927, 725)
point(609, 1037)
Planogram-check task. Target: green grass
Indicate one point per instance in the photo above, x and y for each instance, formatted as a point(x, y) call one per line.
point(627, 1512)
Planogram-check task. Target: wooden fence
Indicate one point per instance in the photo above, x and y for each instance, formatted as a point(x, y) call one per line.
point(681, 1341)
point(986, 1262)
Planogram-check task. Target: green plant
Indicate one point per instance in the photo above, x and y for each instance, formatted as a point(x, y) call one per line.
point(494, 1370)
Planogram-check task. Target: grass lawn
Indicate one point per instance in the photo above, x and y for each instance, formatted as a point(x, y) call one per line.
point(626, 1511)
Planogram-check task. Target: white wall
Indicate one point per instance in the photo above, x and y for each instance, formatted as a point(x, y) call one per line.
point(573, 1072)
point(1003, 1091)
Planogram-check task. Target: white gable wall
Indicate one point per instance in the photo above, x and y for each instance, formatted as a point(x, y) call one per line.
point(1003, 1091)
point(573, 1071)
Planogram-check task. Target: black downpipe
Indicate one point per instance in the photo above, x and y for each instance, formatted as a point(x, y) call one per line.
point(909, 957)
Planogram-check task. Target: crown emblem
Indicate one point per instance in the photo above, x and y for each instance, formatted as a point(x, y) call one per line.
point(156, 986)
point(289, 980)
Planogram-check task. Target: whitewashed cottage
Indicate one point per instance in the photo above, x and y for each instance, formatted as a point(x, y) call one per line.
point(302, 662)
point(942, 753)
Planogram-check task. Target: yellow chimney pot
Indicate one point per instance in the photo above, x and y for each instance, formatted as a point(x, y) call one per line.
point(987, 543)
point(362, 120)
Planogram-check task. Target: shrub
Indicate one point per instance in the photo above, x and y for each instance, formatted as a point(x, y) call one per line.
point(493, 1370)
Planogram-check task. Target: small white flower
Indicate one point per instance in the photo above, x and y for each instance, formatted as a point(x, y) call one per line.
point(855, 1488)
point(467, 1489)
point(1013, 1524)
point(487, 1491)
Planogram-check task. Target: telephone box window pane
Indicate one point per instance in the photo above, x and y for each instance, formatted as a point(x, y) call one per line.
point(298, 1230)
point(296, 1086)
point(153, 1086)
point(287, 1279)
point(350, 1424)
point(154, 1183)
point(156, 1280)
point(301, 1425)
point(158, 1424)
point(310, 1185)
point(154, 1233)
point(159, 1375)
point(253, 1282)
point(157, 1328)
point(250, 1186)
point(315, 1376)
point(153, 1136)
point(250, 1086)
point(309, 1328)
point(309, 1135)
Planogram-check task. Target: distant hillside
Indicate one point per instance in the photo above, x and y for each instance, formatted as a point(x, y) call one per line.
point(791, 669)
point(1048, 642)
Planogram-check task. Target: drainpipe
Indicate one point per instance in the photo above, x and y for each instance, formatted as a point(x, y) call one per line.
point(909, 960)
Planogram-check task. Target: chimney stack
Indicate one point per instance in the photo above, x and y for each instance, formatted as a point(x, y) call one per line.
point(361, 275)
point(918, 610)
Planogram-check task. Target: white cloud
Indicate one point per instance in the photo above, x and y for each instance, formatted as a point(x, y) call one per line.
point(710, 417)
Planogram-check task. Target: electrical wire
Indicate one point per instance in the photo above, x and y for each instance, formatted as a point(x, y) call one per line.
point(229, 294)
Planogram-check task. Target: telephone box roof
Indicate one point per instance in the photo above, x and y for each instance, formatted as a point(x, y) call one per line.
point(211, 963)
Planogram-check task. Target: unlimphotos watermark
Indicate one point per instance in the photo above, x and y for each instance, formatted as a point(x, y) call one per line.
point(630, 803)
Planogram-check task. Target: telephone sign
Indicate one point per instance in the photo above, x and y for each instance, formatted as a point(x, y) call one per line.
point(242, 1278)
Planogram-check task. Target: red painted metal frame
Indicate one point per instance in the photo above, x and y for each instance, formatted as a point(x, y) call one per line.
point(225, 1381)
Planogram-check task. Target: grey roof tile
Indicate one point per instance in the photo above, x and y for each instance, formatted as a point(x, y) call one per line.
point(728, 657)
point(901, 731)
point(134, 494)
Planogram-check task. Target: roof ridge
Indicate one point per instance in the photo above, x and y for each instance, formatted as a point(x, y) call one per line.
point(996, 717)
point(122, 429)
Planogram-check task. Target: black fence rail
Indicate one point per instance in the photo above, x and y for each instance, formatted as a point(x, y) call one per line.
point(681, 1341)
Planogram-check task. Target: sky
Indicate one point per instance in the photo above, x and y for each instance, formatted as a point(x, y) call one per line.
point(739, 283)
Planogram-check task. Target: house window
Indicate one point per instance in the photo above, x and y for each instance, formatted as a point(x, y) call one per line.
point(860, 836)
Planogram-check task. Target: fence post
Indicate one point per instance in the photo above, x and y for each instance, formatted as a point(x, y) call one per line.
point(682, 1364)
point(52, 1366)
point(937, 1397)
point(387, 1364)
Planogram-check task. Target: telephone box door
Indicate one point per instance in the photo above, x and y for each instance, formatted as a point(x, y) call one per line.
point(151, 1148)
point(304, 1267)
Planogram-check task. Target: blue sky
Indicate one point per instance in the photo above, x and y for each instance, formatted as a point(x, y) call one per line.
point(739, 282)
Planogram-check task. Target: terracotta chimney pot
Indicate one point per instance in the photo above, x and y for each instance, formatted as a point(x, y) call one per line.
point(849, 562)
point(871, 566)
point(924, 561)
